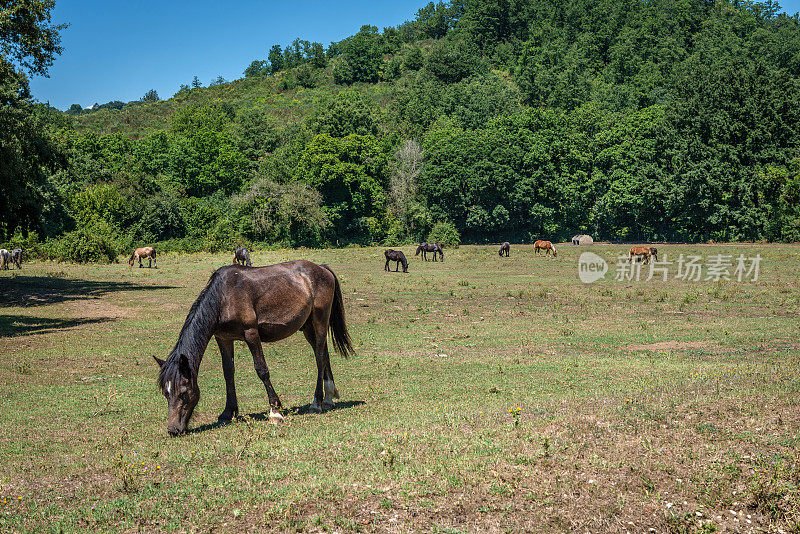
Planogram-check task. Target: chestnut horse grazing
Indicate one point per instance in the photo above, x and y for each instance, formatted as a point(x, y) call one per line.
point(242, 257)
point(5, 259)
point(253, 305)
point(399, 257)
point(140, 254)
point(643, 254)
point(504, 249)
point(16, 257)
point(547, 246)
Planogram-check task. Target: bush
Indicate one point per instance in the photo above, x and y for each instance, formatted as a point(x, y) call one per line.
point(81, 246)
point(445, 233)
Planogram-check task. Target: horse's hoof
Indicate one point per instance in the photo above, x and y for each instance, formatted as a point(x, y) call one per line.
point(226, 417)
point(328, 404)
point(275, 417)
point(314, 407)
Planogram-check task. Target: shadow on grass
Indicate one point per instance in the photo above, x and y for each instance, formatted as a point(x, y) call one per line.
point(264, 416)
point(30, 291)
point(20, 325)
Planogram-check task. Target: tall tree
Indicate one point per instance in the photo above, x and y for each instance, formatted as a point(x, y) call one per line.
point(28, 43)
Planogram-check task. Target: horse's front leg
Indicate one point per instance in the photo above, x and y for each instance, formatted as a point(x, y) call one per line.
point(231, 404)
point(253, 340)
point(386, 267)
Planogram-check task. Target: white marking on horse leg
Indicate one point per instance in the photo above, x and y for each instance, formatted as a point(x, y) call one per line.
point(275, 416)
point(330, 393)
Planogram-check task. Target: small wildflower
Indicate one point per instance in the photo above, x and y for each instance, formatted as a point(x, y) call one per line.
point(158, 467)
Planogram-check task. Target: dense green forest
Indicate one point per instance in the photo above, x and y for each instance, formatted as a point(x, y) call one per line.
point(478, 120)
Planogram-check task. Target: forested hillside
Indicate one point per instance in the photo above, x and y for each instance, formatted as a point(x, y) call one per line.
point(491, 120)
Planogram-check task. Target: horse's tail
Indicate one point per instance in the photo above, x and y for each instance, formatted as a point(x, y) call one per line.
point(338, 326)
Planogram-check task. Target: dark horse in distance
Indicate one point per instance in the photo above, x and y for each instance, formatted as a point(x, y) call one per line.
point(436, 248)
point(255, 305)
point(399, 257)
point(504, 249)
point(16, 257)
point(242, 257)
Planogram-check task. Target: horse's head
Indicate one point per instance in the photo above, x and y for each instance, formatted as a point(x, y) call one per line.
point(419, 249)
point(130, 260)
point(179, 385)
point(553, 248)
point(654, 253)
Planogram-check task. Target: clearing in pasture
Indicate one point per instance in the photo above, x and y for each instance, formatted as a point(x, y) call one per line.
point(483, 395)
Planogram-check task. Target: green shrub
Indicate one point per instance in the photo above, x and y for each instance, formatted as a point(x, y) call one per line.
point(81, 246)
point(445, 233)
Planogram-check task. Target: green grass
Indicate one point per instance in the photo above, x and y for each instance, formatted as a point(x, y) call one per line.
point(634, 398)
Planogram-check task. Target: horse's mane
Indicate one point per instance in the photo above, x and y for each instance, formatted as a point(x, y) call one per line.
point(201, 321)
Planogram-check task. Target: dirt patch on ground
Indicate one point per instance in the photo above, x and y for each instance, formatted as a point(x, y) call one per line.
point(676, 345)
point(95, 308)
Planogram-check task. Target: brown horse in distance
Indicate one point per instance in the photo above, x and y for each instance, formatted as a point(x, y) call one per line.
point(547, 246)
point(424, 248)
point(5, 259)
point(140, 254)
point(255, 305)
point(640, 253)
point(399, 257)
point(504, 249)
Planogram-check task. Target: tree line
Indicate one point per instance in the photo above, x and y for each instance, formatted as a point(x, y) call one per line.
point(477, 121)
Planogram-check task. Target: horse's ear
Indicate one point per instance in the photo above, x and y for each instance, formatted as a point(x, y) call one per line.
point(184, 367)
point(159, 361)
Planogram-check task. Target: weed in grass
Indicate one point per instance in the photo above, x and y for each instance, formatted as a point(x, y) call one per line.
point(23, 367)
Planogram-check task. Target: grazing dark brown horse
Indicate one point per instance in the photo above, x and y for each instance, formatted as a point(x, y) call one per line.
point(5, 259)
point(436, 248)
point(504, 249)
point(140, 254)
point(547, 246)
point(639, 253)
point(253, 305)
point(16, 257)
point(242, 257)
point(399, 257)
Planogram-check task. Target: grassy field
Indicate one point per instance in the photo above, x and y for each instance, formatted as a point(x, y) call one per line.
point(487, 394)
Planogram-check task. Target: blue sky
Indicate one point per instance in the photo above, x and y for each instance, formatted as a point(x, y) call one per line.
point(120, 50)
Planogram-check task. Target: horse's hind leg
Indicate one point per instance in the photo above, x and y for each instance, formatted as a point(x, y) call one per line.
point(315, 332)
point(253, 340)
point(231, 404)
